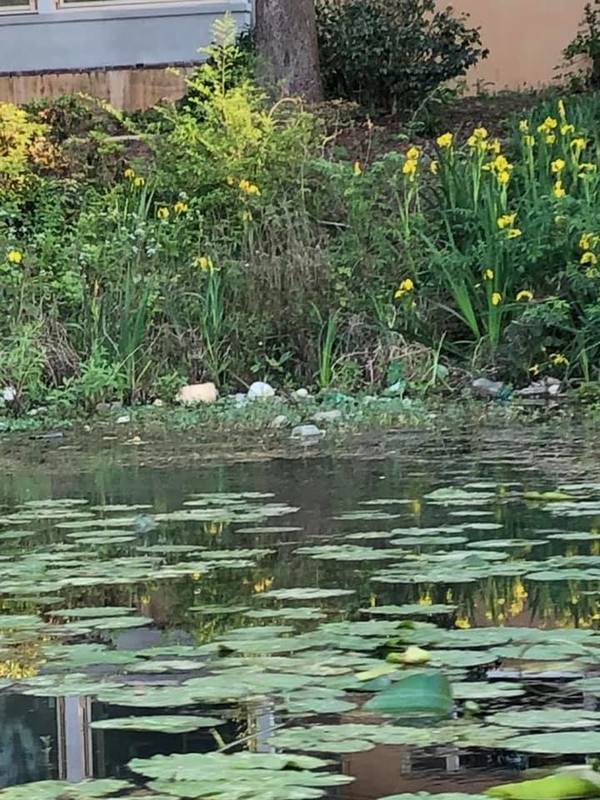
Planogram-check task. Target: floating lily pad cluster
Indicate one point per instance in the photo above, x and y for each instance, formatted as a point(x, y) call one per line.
point(329, 649)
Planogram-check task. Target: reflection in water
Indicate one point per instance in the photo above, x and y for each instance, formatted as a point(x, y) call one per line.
point(28, 739)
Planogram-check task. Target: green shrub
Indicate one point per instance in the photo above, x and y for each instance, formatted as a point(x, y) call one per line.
point(582, 55)
point(392, 54)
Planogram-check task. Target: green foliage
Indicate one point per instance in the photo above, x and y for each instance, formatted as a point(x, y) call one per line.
point(99, 381)
point(23, 144)
point(327, 348)
point(512, 253)
point(582, 55)
point(231, 245)
point(392, 55)
point(22, 362)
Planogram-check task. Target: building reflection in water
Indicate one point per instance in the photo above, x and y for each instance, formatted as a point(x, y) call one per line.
point(28, 739)
point(47, 738)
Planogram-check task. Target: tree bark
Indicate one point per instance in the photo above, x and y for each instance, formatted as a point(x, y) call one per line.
point(286, 38)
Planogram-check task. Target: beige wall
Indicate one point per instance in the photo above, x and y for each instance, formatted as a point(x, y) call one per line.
point(525, 38)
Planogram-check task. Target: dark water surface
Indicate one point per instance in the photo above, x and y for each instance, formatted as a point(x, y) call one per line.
point(323, 502)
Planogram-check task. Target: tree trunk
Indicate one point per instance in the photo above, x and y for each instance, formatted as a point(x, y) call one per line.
point(286, 37)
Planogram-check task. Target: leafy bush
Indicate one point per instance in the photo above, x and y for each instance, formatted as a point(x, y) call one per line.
point(583, 53)
point(392, 53)
point(23, 146)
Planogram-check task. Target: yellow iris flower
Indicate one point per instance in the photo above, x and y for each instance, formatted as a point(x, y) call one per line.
point(249, 188)
point(559, 191)
point(204, 263)
point(588, 241)
point(506, 221)
point(524, 294)
point(14, 256)
point(445, 140)
point(406, 287)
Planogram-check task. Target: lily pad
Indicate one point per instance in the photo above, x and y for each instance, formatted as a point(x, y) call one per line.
point(61, 790)
point(561, 786)
point(557, 718)
point(300, 613)
point(541, 652)
point(306, 593)
point(158, 724)
point(423, 693)
point(462, 658)
point(93, 612)
point(196, 766)
point(568, 743)
point(443, 796)
point(148, 696)
point(484, 690)
point(410, 610)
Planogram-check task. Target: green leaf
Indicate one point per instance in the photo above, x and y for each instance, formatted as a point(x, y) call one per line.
point(425, 693)
point(147, 696)
point(195, 766)
point(553, 787)
point(94, 612)
point(410, 610)
point(307, 593)
point(61, 790)
point(548, 497)
point(158, 724)
point(427, 796)
point(558, 718)
point(571, 742)
point(484, 690)
point(462, 658)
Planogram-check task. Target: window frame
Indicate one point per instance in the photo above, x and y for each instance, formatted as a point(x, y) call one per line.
point(25, 7)
point(86, 5)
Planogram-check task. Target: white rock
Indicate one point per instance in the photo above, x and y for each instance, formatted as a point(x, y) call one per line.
point(240, 399)
point(197, 393)
point(124, 419)
point(158, 403)
point(301, 394)
point(9, 394)
point(278, 422)
point(327, 416)
point(260, 391)
point(486, 388)
point(547, 387)
point(307, 433)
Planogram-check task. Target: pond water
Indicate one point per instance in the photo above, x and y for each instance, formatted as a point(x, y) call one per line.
point(151, 614)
